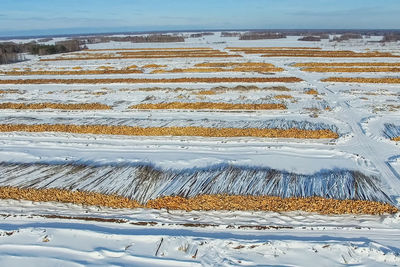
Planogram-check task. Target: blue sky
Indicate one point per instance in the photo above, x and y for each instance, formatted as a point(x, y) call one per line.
point(21, 17)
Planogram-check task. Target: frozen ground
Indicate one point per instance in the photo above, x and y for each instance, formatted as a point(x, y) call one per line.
point(47, 234)
point(52, 233)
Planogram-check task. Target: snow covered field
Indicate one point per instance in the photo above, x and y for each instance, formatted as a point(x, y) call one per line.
point(47, 234)
point(364, 116)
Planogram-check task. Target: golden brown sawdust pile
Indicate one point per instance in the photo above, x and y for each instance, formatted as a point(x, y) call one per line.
point(369, 69)
point(235, 64)
point(270, 203)
point(153, 66)
point(59, 195)
point(283, 96)
point(347, 64)
point(45, 105)
point(235, 69)
point(311, 92)
point(171, 131)
point(77, 72)
point(208, 105)
point(361, 80)
point(311, 53)
point(172, 80)
point(149, 49)
point(202, 202)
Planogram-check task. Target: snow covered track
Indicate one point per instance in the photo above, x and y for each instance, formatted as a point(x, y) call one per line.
point(165, 238)
point(173, 247)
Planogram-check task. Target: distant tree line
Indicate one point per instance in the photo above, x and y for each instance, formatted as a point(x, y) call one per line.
point(44, 40)
point(8, 54)
point(261, 35)
point(230, 34)
point(346, 37)
point(391, 37)
point(11, 52)
point(200, 34)
point(310, 38)
point(153, 38)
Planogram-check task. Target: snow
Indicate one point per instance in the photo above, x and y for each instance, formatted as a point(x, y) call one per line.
point(195, 238)
point(48, 234)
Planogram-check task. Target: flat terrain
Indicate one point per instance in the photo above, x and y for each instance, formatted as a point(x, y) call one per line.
point(214, 151)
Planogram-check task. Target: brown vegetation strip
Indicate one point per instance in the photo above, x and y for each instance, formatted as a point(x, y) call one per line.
point(83, 106)
point(283, 96)
point(92, 219)
point(256, 69)
point(365, 69)
point(311, 92)
point(274, 48)
point(166, 53)
point(200, 55)
point(362, 80)
point(171, 131)
point(149, 52)
point(206, 92)
point(208, 105)
point(313, 53)
point(156, 49)
point(214, 90)
point(77, 72)
point(150, 66)
point(234, 64)
point(203, 202)
point(172, 80)
point(236, 69)
point(11, 91)
point(397, 139)
point(270, 203)
point(333, 54)
point(347, 64)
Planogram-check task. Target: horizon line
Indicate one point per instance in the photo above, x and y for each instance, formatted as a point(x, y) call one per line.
point(83, 33)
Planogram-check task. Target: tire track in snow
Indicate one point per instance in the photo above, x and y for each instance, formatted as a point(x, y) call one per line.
point(378, 153)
